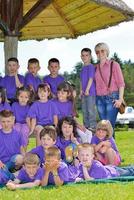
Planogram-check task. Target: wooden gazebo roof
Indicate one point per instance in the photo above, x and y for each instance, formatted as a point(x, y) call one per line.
point(32, 19)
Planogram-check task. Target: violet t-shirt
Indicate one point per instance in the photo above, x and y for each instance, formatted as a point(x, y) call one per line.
point(62, 172)
point(20, 112)
point(8, 82)
point(30, 79)
point(53, 82)
point(10, 144)
point(88, 72)
point(24, 177)
point(44, 112)
point(39, 150)
point(5, 106)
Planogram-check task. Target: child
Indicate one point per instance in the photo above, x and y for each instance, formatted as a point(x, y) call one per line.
point(48, 137)
point(89, 169)
point(67, 140)
point(53, 79)
point(87, 91)
point(11, 144)
point(105, 148)
point(32, 80)
point(55, 171)
point(30, 175)
point(4, 105)
point(20, 110)
point(12, 81)
point(43, 111)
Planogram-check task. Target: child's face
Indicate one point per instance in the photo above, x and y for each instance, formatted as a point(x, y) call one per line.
point(47, 141)
point(85, 157)
point(52, 162)
point(54, 68)
point(12, 67)
point(86, 57)
point(101, 133)
point(43, 94)
point(31, 169)
point(101, 54)
point(23, 98)
point(62, 95)
point(33, 68)
point(7, 123)
point(67, 130)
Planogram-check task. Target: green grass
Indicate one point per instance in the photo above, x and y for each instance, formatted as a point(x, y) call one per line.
point(107, 191)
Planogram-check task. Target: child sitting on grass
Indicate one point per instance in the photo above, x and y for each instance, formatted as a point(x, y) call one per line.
point(56, 171)
point(105, 147)
point(30, 175)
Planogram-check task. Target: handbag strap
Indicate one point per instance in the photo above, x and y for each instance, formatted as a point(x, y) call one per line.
point(110, 78)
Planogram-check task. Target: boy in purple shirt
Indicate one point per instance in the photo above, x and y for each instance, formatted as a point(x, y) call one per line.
point(11, 144)
point(53, 79)
point(87, 90)
point(30, 175)
point(32, 80)
point(48, 137)
point(13, 80)
point(55, 171)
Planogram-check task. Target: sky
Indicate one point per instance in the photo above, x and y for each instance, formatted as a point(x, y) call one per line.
point(120, 39)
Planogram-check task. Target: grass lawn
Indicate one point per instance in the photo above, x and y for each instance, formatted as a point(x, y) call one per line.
point(109, 191)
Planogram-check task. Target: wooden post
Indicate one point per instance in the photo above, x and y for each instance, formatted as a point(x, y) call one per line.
point(10, 48)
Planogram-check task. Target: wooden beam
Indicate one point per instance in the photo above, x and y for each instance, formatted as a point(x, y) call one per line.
point(34, 11)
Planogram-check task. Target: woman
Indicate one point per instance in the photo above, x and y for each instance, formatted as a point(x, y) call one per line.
point(109, 85)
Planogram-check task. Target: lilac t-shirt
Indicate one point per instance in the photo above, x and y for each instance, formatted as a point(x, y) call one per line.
point(10, 144)
point(30, 79)
point(39, 150)
point(98, 171)
point(24, 177)
point(88, 72)
point(64, 108)
point(5, 106)
point(43, 112)
point(62, 172)
point(53, 82)
point(20, 112)
point(8, 82)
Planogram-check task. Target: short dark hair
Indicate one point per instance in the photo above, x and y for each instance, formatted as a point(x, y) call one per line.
point(14, 59)
point(6, 113)
point(86, 50)
point(54, 60)
point(33, 60)
point(3, 94)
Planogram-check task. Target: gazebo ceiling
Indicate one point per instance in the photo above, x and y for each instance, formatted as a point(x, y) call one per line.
point(71, 18)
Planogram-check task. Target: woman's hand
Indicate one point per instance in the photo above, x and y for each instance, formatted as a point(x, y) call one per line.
point(117, 103)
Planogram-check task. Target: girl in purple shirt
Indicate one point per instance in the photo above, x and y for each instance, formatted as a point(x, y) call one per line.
point(105, 148)
point(20, 110)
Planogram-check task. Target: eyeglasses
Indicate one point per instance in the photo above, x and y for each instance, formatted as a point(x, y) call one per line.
point(100, 51)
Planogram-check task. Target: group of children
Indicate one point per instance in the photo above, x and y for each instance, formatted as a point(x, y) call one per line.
point(65, 151)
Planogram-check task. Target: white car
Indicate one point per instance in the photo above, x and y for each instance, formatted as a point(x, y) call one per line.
point(127, 117)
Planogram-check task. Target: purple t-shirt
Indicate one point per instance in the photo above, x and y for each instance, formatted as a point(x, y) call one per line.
point(30, 79)
point(5, 106)
point(88, 72)
point(24, 177)
point(43, 112)
point(20, 112)
point(53, 82)
point(64, 108)
point(39, 150)
point(10, 144)
point(62, 172)
point(8, 82)
point(98, 171)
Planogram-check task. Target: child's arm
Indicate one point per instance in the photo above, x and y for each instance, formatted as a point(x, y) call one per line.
point(85, 173)
point(33, 124)
point(17, 81)
point(1, 164)
point(13, 186)
point(55, 120)
point(57, 179)
point(28, 121)
point(88, 86)
point(44, 181)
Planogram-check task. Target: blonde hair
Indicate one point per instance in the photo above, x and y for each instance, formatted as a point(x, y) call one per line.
point(53, 152)
point(105, 125)
point(102, 45)
point(86, 146)
point(31, 159)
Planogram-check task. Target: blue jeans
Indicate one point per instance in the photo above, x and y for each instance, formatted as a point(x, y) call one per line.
point(11, 163)
point(89, 111)
point(105, 107)
point(5, 175)
point(125, 171)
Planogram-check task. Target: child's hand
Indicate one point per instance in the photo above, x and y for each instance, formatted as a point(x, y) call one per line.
point(74, 139)
point(78, 179)
point(11, 186)
point(1, 164)
point(86, 92)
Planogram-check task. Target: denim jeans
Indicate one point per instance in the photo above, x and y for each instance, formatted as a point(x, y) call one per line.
point(89, 111)
point(125, 171)
point(105, 107)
